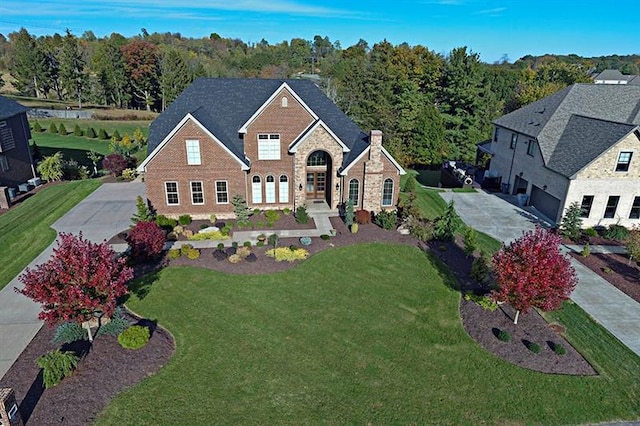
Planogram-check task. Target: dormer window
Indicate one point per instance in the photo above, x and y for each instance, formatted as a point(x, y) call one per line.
point(285, 102)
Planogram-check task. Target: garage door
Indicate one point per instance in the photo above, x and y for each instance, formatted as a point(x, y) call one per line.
point(547, 204)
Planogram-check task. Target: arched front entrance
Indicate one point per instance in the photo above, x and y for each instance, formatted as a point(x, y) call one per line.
point(318, 177)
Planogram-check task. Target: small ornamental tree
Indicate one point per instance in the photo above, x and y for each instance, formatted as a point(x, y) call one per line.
point(144, 213)
point(571, 224)
point(632, 244)
point(146, 240)
point(115, 163)
point(349, 213)
point(240, 209)
point(50, 168)
point(448, 224)
point(81, 280)
point(532, 273)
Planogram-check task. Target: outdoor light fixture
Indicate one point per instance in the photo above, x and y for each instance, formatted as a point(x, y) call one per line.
point(544, 187)
point(337, 186)
point(300, 187)
point(520, 174)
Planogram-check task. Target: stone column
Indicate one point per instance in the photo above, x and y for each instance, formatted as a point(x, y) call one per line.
point(373, 168)
point(9, 412)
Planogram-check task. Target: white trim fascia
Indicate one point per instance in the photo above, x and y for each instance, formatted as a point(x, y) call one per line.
point(346, 169)
point(284, 85)
point(635, 130)
point(293, 148)
point(142, 167)
point(384, 151)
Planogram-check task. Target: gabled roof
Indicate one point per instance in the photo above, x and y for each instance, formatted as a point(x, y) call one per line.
point(550, 122)
point(225, 105)
point(9, 108)
point(613, 75)
point(319, 123)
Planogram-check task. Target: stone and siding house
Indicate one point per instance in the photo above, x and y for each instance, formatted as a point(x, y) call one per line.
point(581, 144)
point(277, 143)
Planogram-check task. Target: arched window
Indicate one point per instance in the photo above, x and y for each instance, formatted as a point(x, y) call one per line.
point(284, 102)
point(317, 158)
point(387, 192)
point(354, 191)
point(270, 189)
point(283, 189)
point(256, 189)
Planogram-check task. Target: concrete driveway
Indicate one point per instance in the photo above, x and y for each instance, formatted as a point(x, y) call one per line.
point(101, 215)
point(607, 305)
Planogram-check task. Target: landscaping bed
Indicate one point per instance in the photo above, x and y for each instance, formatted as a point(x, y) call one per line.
point(616, 269)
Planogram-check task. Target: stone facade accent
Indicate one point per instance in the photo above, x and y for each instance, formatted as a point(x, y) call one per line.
point(318, 140)
point(9, 412)
point(373, 168)
point(605, 165)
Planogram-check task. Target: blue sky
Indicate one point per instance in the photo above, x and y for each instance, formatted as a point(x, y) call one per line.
point(490, 28)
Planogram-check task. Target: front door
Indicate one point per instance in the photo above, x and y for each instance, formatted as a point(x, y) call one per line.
point(316, 184)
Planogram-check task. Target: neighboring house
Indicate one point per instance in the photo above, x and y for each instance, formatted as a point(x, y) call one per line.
point(616, 77)
point(581, 144)
point(15, 158)
point(277, 143)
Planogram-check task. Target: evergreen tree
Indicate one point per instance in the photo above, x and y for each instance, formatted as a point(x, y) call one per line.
point(29, 64)
point(72, 68)
point(175, 76)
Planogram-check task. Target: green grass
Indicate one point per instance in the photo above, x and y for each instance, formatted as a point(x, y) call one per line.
point(25, 230)
point(355, 335)
point(464, 190)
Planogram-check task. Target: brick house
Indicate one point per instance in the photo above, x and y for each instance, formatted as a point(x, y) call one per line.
point(278, 143)
point(581, 144)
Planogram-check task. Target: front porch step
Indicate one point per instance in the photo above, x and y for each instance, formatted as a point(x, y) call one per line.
point(323, 212)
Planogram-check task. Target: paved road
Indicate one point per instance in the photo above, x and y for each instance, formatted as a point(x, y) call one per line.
point(101, 215)
point(610, 307)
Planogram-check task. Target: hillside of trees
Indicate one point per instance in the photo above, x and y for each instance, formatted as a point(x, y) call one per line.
point(430, 107)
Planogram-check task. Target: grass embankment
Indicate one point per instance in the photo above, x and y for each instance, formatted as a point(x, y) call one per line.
point(361, 334)
point(26, 229)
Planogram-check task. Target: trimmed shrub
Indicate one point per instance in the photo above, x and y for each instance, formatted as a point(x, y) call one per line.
point(586, 250)
point(178, 229)
point(146, 241)
point(503, 336)
point(325, 237)
point(247, 244)
point(129, 174)
point(193, 254)
point(90, 133)
point(174, 254)
point(354, 228)
point(590, 232)
point(533, 347)
point(117, 325)
point(616, 232)
point(77, 131)
point(51, 167)
point(116, 135)
point(220, 246)
point(271, 216)
point(53, 128)
point(243, 252)
point(260, 244)
point(422, 229)
point(102, 134)
point(166, 222)
point(386, 219)
point(134, 337)
point(363, 217)
point(485, 302)
point(68, 332)
point(286, 211)
point(62, 130)
point(558, 349)
point(57, 365)
point(349, 213)
point(185, 220)
point(301, 215)
point(213, 219)
point(184, 249)
point(286, 254)
point(211, 235)
point(480, 269)
point(115, 164)
point(187, 233)
point(305, 241)
point(235, 258)
point(37, 127)
point(273, 240)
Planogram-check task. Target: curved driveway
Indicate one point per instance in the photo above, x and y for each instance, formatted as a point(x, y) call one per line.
point(610, 307)
point(105, 212)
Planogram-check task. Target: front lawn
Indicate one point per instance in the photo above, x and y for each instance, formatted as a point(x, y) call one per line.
point(26, 229)
point(354, 335)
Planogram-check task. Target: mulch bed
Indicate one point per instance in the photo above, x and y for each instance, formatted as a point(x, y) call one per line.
point(108, 369)
point(105, 370)
point(616, 269)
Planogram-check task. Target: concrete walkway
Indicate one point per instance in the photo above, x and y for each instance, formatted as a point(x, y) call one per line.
point(101, 215)
point(607, 305)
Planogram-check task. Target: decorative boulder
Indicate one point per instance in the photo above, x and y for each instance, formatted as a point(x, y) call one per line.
point(209, 229)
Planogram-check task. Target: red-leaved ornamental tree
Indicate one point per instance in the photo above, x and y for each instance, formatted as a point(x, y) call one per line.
point(532, 272)
point(82, 279)
point(146, 240)
point(115, 163)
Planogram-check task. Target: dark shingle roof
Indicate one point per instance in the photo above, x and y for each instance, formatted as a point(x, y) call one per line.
point(548, 119)
point(223, 105)
point(9, 108)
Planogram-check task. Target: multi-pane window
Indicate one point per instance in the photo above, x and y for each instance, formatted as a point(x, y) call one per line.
point(270, 189)
point(268, 147)
point(624, 159)
point(587, 202)
point(283, 189)
point(317, 158)
point(197, 193)
point(171, 192)
point(514, 140)
point(531, 149)
point(222, 192)
point(4, 163)
point(256, 189)
point(193, 152)
point(635, 209)
point(612, 205)
point(354, 191)
point(387, 192)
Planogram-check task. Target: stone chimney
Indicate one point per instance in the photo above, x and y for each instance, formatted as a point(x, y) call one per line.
point(375, 150)
point(373, 168)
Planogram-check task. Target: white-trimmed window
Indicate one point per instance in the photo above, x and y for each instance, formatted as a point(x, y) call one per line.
point(256, 189)
point(197, 193)
point(270, 189)
point(354, 191)
point(635, 209)
point(268, 147)
point(387, 192)
point(283, 189)
point(193, 152)
point(171, 193)
point(285, 102)
point(624, 159)
point(222, 192)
